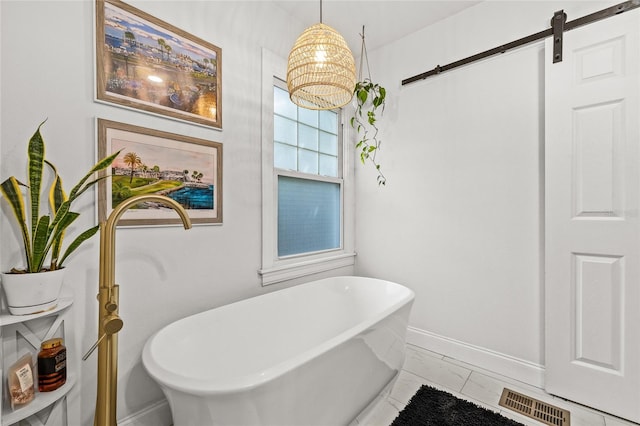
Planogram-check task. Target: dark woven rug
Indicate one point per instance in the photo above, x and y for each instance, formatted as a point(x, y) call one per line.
point(432, 407)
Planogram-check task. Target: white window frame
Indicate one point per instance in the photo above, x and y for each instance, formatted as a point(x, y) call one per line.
point(277, 269)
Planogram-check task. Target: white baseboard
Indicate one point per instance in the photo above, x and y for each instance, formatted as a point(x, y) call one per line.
point(506, 365)
point(157, 414)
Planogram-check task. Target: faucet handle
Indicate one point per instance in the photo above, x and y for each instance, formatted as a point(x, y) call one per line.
point(111, 306)
point(93, 348)
point(111, 324)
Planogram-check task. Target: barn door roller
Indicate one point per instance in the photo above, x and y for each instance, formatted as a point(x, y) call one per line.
point(557, 25)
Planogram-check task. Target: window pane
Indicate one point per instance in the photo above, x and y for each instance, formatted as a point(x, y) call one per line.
point(308, 137)
point(328, 143)
point(308, 216)
point(284, 130)
point(308, 116)
point(285, 156)
point(282, 105)
point(329, 121)
point(307, 161)
point(328, 165)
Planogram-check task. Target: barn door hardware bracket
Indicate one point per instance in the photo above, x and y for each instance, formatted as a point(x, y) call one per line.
point(557, 25)
point(556, 31)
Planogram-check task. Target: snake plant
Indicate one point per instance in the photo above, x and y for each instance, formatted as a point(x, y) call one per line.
point(42, 235)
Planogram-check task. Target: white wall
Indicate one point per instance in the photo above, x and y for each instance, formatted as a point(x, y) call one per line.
point(460, 220)
point(164, 273)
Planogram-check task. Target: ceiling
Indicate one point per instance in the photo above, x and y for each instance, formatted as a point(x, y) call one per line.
point(384, 20)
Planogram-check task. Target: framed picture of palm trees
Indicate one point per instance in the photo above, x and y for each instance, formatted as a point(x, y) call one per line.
point(147, 64)
point(184, 168)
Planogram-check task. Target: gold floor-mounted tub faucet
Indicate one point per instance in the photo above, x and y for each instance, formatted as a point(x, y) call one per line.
point(109, 323)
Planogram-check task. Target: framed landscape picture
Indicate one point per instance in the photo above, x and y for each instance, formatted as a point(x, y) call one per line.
point(150, 65)
point(186, 169)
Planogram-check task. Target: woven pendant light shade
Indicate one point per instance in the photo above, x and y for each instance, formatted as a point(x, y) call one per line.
point(321, 71)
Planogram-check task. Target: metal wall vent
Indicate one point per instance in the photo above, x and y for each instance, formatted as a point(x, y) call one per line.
point(535, 409)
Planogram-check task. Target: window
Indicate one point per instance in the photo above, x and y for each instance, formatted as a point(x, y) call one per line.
point(309, 180)
point(307, 201)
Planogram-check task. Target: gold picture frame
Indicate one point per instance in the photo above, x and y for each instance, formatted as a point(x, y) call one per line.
point(184, 168)
point(147, 64)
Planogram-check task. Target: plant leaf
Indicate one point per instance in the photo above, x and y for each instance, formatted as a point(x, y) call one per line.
point(79, 240)
point(36, 164)
point(40, 239)
point(61, 213)
point(100, 165)
point(11, 190)
point(56, 192)
point(57, 196)
point(63, 224)
point(362, 96)
point(89, 184)
point(58, 234)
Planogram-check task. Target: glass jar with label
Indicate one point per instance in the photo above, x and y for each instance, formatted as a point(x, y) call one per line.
point(52, 365)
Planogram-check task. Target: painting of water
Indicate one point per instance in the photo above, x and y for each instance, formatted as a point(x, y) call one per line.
point(186, 169)
point(148, 64)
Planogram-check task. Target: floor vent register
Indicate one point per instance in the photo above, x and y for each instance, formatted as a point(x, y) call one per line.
point(535, 409)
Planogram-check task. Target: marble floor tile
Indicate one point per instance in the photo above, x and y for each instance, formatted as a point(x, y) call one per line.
point(381, 414)
point(406, 386)
point(523, 387)
point(580, 415)
point(489, 389)
point(479, 386)
point(520, 418)
point(435, 370)
point(483, 388)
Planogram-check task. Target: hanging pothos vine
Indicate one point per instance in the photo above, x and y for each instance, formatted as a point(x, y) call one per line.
point(369, 105)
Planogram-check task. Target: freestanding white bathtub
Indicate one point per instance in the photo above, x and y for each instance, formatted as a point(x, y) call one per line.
point(313, 354)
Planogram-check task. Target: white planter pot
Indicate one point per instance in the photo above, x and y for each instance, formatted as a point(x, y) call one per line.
point(32, 293)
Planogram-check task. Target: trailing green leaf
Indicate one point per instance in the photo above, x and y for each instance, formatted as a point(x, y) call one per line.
point(362, 96)
point(370, 99)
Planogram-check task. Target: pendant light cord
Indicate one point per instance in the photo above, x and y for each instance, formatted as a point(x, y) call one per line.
point(321, 11)
point(363, 56)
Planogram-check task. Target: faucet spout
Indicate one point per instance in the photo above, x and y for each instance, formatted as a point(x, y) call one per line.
point(108, 231)
point(109, 323)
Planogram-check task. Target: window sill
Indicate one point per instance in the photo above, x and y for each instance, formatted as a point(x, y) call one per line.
point(302, 268)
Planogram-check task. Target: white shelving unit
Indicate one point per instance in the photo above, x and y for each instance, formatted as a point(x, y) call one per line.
point(24, 333)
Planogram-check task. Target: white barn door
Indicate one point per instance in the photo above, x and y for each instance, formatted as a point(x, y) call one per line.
point(592, 224)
